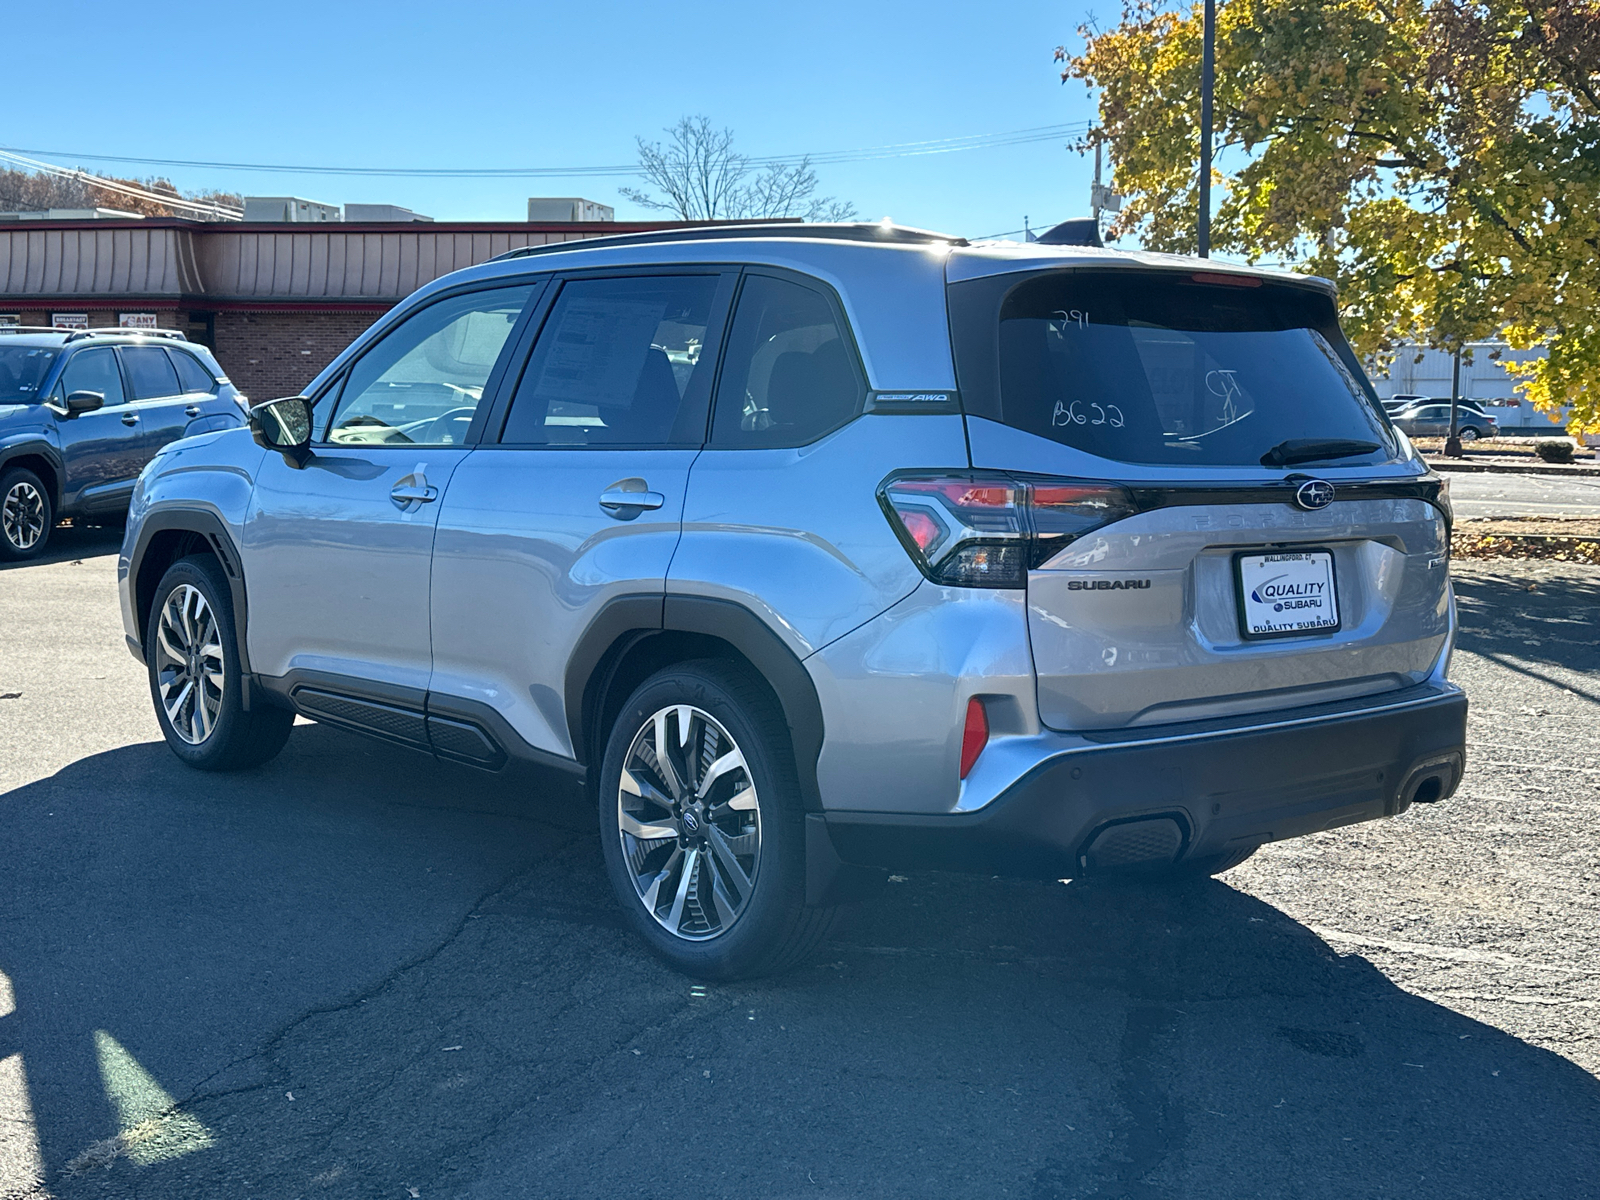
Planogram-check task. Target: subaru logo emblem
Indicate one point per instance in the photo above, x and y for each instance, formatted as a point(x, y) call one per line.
point(1314, 494)
point(691, 822)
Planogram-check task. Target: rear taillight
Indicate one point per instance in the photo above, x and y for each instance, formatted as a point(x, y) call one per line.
point(974, 735)
point(989, 530)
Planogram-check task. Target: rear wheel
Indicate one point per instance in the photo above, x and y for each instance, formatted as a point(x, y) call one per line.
point(26, 515)
point(703, 828)
point(195, 677)
point(1467, 433)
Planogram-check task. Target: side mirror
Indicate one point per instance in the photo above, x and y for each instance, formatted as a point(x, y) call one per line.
point(285, 426)
point(79, 403)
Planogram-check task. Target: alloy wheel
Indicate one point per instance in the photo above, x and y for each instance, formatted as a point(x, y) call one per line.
point(690, 823)
point(22, 516)
point(190, 670)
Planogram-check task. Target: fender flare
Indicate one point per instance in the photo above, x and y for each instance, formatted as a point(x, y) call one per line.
point(210, 528)
point(39, 448)
point(625, 620)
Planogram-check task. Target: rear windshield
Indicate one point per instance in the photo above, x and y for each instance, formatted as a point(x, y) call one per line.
point(22, 372)
point(1162, 368)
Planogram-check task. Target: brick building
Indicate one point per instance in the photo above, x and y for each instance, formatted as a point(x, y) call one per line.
point(275, 301)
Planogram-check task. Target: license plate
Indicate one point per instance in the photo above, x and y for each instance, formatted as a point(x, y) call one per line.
point(1281, 595)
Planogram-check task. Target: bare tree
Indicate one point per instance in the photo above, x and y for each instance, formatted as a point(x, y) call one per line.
point(703, 178)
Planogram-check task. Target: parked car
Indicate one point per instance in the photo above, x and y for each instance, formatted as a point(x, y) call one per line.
point(1433, 420)
point(818, 551)
point(82, 412)
point(1401, 402)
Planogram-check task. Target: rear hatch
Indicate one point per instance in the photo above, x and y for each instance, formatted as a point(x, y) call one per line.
point(1269, 541)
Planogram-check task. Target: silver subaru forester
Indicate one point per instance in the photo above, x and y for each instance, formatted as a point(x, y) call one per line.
point(820, 551)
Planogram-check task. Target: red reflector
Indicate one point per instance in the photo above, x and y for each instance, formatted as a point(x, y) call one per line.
point(924, 530)
point(975, 736)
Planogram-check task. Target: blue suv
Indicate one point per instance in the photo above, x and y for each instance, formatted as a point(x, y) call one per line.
point(82, 412)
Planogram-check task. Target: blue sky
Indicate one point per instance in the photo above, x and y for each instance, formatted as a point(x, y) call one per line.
point(473, 84)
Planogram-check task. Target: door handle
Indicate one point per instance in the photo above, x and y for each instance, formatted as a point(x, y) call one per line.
point(414, 489)
point(130, 418)
point(628, 504)
point(405, 493)
point(191, 410)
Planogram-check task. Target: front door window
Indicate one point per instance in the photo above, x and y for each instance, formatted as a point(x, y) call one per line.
point(92, 371)
point(420, 385)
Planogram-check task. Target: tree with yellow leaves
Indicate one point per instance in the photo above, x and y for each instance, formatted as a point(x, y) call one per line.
point(1439, 159)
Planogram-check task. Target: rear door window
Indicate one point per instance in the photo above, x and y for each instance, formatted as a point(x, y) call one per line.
point(1167, 368)
point(150, 372)
point(790, 374)
point(619, 362)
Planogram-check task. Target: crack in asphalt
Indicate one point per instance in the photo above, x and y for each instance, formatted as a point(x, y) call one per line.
point(270, 1046)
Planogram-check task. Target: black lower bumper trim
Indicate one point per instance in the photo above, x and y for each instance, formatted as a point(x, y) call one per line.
point(1226, 791)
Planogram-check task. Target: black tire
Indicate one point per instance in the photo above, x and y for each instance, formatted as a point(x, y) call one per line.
point(1468, 433)
point(27, 516)
point(233, 739)
point(774, 930)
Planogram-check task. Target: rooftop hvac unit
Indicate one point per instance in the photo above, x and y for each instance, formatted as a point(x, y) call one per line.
point(288, 208)
point(568, 208)
point(381, 212)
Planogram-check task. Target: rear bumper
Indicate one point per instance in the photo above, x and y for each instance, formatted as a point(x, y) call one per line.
point(1134, 800)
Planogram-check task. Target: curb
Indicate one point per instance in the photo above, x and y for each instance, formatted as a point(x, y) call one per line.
point(1509, 469)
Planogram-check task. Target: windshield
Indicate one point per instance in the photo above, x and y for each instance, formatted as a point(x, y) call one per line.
point(22, 372)
point(1164, 369)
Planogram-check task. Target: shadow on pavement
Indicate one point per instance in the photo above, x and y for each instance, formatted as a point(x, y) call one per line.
point(69, 542)
point(1548, 620)
point(358, 972)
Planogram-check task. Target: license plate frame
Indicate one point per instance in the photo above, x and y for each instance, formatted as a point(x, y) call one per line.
point(1284, 556)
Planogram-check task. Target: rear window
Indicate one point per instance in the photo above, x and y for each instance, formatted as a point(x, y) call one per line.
point(1162, 368)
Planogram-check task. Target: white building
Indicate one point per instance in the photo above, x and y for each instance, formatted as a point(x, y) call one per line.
point(1421, 372)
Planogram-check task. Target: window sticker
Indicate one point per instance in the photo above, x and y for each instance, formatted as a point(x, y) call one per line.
point(599, 349)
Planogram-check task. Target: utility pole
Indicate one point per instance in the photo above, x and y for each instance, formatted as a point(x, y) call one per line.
point(1094, 192)
point(1452, 444)
point(1101, 198)
point(1208, 71)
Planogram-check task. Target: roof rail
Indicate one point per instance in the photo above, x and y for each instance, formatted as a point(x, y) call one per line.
point(843, 232)
point(176, 335)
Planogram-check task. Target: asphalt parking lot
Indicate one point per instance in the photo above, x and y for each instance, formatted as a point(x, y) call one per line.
point(359, 973)
point(1506, 494)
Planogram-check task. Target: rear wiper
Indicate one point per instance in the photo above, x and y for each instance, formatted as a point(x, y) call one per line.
point(1303, 450)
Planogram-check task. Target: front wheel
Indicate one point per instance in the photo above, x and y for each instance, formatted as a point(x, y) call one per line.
point(195, 677)
point(26, 516)
point(703, 828)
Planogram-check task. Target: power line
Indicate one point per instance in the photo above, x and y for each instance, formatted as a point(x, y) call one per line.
point(224, 212)
point(989, 237)
point(982, 141)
